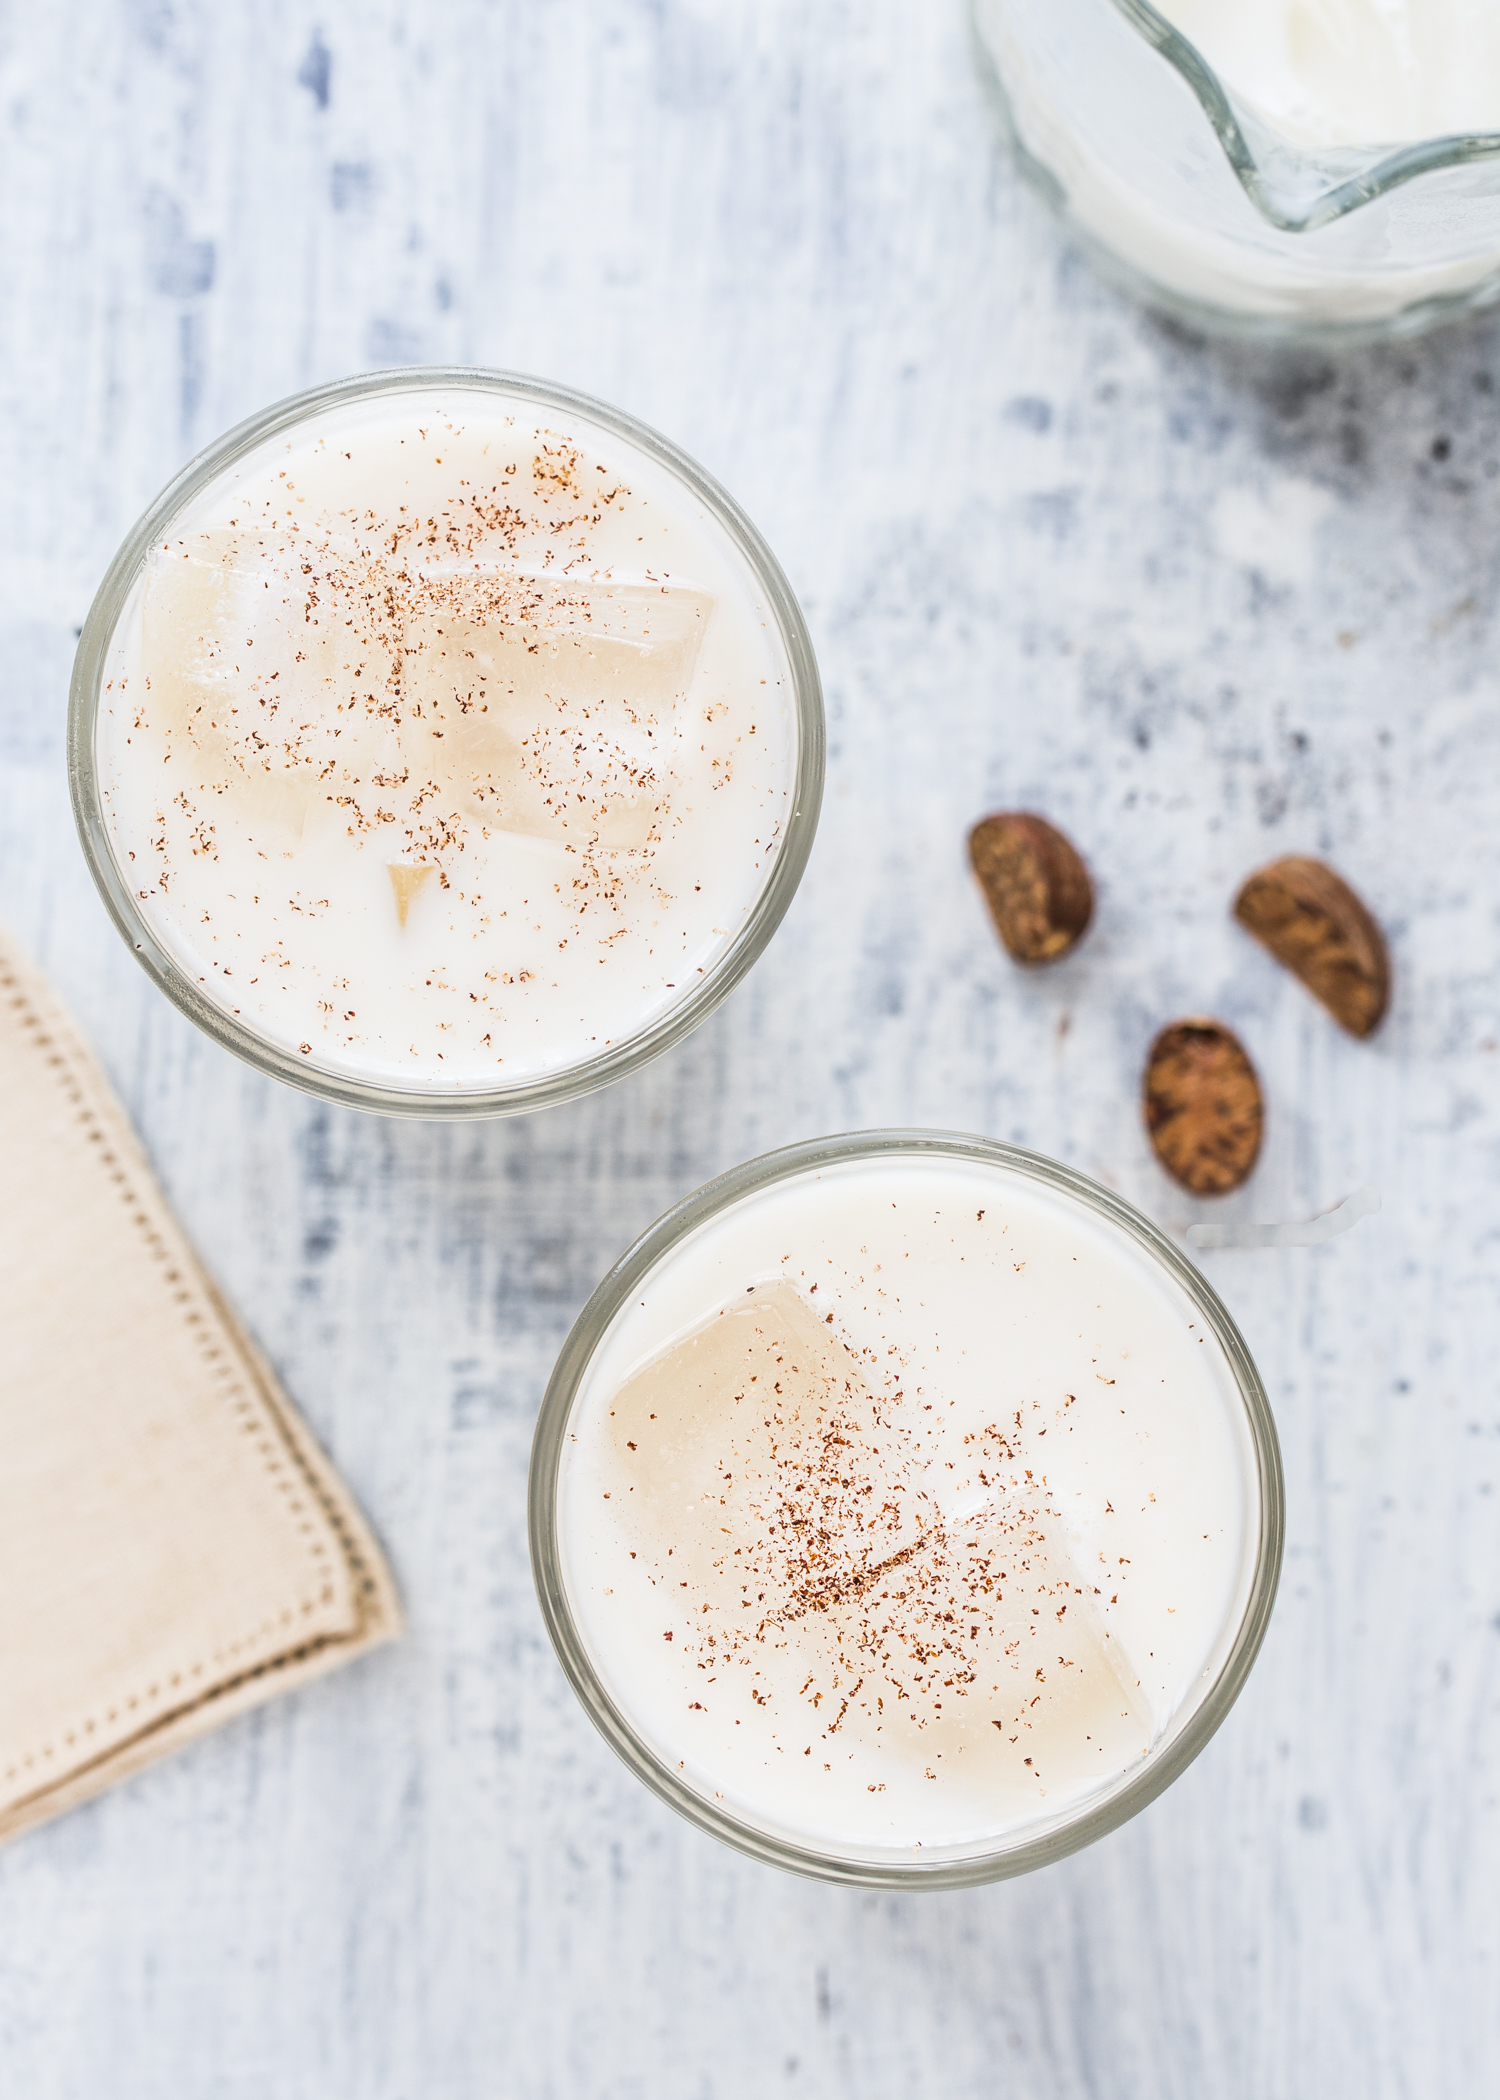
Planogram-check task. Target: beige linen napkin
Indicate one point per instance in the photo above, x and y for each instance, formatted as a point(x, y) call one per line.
point(174, 1548)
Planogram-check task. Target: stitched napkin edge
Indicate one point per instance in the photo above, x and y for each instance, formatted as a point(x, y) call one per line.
point(372, 1589)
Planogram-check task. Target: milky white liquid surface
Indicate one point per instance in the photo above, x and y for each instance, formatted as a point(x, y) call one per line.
point(1132, 1454)
point(1128, 145)
point(447, 741)
point(1328, 73)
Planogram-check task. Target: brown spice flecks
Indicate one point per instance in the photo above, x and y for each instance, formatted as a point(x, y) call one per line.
point(407, 679)
point(1203, 1106)
point(1312, 921)
point(1034, 882)
point(807, 1545)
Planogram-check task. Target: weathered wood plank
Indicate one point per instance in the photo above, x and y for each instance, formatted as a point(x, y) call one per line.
point(1203, 606)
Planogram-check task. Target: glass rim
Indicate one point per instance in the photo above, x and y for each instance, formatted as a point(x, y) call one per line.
point(567, 1082)
point(992, 1862)
point(1334, 181)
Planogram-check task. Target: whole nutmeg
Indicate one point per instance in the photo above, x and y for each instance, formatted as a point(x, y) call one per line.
point(1312, 921)
point(1203, 1105)
point(1034, 882)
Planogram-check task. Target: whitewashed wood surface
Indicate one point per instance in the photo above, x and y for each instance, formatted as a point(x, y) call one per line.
point(1202, 605)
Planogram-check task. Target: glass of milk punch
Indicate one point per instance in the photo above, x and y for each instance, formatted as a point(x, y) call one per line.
point(905, 1510)
point(445, 743)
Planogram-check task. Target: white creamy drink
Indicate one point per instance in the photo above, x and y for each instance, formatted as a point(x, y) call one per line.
point(447, 739)
point(1354, 72)
point(1260, 172)
point(907, 1505)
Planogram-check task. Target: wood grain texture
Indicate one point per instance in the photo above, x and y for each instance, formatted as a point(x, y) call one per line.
point(1202, 606)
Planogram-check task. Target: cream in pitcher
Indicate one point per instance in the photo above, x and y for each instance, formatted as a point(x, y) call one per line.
point(1258, 166)
point(1328, 73)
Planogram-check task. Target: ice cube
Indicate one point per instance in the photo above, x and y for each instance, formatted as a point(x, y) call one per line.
point(723, 1437)
point(805, 1521)
point(1003, 1654)
point(407, 879)
point(548, 707)
point(267, 668)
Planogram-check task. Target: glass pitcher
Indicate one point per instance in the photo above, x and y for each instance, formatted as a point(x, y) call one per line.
point(1177, 188)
